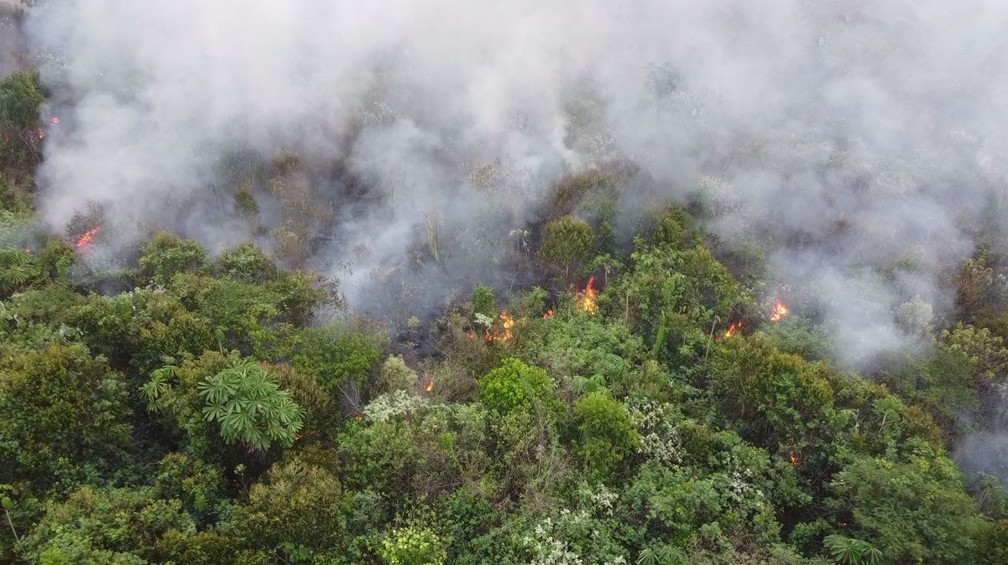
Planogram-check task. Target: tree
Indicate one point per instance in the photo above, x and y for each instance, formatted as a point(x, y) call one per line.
point(247, 263)
point(20, 98)
point(250, 407)
point(300, 508)
point(413, 546)
point(20, 136)
point(916, 511)
point(569, 241)
point(606, 436)
point(104, 526)
point(167, 254)
point(337, 356)
point(62, 409)
point(517, 386)
point(849, 551)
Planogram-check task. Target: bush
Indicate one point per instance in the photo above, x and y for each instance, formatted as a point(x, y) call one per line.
point(167, 254)
point(60, 405)
point(396, 375)
point(299, 505)
point(337, 356)
point(516, 386)
point(413, 546)
point(569, 242)
point(246, 262)
point(606, 434)
point(250, 407)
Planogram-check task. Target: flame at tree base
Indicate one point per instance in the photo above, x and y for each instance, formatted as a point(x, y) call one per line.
point(779, 311)
point(505, 332)
point(587, 298)
point(733, 329)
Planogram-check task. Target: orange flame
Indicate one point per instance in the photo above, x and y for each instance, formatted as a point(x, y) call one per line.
point(779, 311)
point(54, 121)
point(548, 315)
point(586, 302)
point(507, 324)
point(795, 459)
point(84, 241)
point(733, 329)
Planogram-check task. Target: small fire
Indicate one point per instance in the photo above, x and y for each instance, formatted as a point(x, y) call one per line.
point(586, 302)
point(733, 329)
point(795, 459)
point(358, 417)
point(84, 241)
point(548, 315)
point(507, 324)
point(53, 121)
point(428, 381)
point(779, 311)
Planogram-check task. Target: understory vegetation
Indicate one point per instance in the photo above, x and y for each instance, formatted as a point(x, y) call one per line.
point(640, 405)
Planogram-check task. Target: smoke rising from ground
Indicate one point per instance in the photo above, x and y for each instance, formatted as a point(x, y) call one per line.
point(845, 136)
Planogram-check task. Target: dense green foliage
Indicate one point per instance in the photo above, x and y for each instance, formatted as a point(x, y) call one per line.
point(225, 410)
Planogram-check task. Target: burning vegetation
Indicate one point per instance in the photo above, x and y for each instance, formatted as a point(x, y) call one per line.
point(86, 240)
point(587, 298)
point(779, 311)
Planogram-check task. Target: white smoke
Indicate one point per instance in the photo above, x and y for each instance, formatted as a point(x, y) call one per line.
point(846, 135)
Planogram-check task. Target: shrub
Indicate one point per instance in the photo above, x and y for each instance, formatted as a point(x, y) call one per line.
point(167, 254)
point(413, 546)
point(607, 436)
point(517, 386)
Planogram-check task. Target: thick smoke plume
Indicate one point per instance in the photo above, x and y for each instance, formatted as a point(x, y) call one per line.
point(862, 142)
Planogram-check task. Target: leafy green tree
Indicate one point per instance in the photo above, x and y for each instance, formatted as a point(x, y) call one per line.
point(61, 407)
point(18, 269)
point(104, 526)
point(769, 396)
point(166, 254)
point(606, 436)
point(573, 349)
point(395, 375)
point(20, 98)
point(412, 545)
point(483, 300)
point(337, 356)
point(172, 396)
point(849, 551)
point(247, 263)
point(203, 548)
point(517, 386)
point(673, 298)
point(250, 407)
point(568, 242)
point(299, 511)
point(916, 511)
point(198, 485)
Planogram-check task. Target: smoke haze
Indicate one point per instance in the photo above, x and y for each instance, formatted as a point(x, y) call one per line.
point(844, 136)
